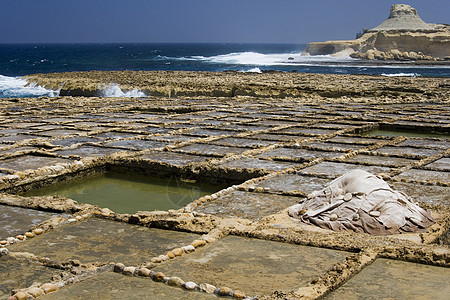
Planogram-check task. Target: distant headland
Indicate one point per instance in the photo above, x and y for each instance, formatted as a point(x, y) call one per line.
point(402, 36)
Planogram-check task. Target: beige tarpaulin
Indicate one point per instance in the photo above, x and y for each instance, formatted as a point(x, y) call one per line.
point(361, 201)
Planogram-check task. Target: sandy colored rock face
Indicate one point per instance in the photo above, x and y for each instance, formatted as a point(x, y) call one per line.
point(403, 36)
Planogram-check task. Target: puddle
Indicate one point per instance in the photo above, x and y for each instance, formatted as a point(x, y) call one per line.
point(127, 193)
point(110, 285)
point(18, 220)
point(18, 274)
point(390, 279)
point(337, 169)
point(22, 163)
point(253, 266)
point(405, 133)
point(292, 182)
point(104, 241)
point(432, 194)
point(247, 205)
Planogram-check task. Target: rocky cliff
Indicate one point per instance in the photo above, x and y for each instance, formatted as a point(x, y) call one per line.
point(403, 36)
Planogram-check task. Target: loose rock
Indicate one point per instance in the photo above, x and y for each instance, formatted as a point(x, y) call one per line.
point(190, 285)
point(175, 281)
point(158, 276)
point(49, 288)
point(207, 288)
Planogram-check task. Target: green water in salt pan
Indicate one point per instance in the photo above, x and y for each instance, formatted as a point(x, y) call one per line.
point(405, 133)
point(126, 193)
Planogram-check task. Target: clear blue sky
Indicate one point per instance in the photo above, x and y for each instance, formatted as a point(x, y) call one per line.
point(243, 21)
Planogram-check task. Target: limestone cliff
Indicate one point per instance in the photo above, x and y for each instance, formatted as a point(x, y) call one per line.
point(403, 36)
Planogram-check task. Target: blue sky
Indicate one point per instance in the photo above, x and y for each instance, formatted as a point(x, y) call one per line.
point(242, 21)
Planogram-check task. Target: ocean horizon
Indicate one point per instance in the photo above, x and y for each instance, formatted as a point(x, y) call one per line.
point(17, 60)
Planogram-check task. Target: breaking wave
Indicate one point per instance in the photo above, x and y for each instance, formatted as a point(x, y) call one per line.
point(113, 90)
point(16, 87)
point(261, 59)
point(401, 75)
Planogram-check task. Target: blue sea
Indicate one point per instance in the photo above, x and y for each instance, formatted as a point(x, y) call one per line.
point(17, 60)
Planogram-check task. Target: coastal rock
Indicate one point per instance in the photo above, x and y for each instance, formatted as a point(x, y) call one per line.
point(403, 31)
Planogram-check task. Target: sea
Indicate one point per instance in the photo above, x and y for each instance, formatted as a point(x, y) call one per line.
point(18, 60)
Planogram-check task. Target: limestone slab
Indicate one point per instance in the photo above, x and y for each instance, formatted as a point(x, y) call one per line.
point(390, 279)
point(104, 241)
point(253, 266)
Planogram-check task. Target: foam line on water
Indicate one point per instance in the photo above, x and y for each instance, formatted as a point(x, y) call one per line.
point(113, 90)
point(16, 87)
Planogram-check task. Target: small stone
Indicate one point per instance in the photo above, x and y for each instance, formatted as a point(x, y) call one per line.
point(188, 248)
point(12, 240)
point(3, 242)
point(149, 265)
point(4, 251)
point(348, 197)
point(208, 198)
point(144, 272)
point(267, 189)
point(355, 217)
point(175, 281)
point(251, 188)
point(158, 276)
point(202, 200)
point(163, 257)
point(259, 189)
point(79, 218)
point(129, 271)
point(198, 243)
point(374, 213)
point(29, 234)
point(71, 220)
point(49, 288)
point(119, 267)
point(302, 212)
point(38, 231)
point(21, 296)
point(190, 286)
point(224, 291)
point(207, 288)
point(155, 260)
point(333, 217)
point(177, 251)
point(20, 237)
point(35, 292)
point(238, 294)
point(170, 254)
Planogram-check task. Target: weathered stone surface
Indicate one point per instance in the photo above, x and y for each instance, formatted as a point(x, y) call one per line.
point(175, 281)
point(35, 292)
point(49, 287)
point(144, 272)
point(403, 36)
point(129, 271)
point(207, 288)
point(158, 276)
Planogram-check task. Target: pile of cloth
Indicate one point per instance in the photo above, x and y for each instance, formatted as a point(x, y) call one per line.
point(363, 202)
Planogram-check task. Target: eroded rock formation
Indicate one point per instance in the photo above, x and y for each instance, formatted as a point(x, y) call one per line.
point(403, 36)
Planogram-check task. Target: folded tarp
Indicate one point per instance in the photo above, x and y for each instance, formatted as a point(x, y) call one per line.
point(361, 201)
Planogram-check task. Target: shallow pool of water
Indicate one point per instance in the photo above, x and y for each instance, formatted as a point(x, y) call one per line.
point(126, 193)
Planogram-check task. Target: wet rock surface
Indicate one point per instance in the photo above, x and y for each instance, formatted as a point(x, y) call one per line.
point(267, 151)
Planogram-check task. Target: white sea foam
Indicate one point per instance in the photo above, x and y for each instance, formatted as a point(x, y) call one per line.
point(11, 87)
point(252, 70)
point(401, 75)
point(113, 90)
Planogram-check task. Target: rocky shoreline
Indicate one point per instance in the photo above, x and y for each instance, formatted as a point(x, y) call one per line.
point(236, 84)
